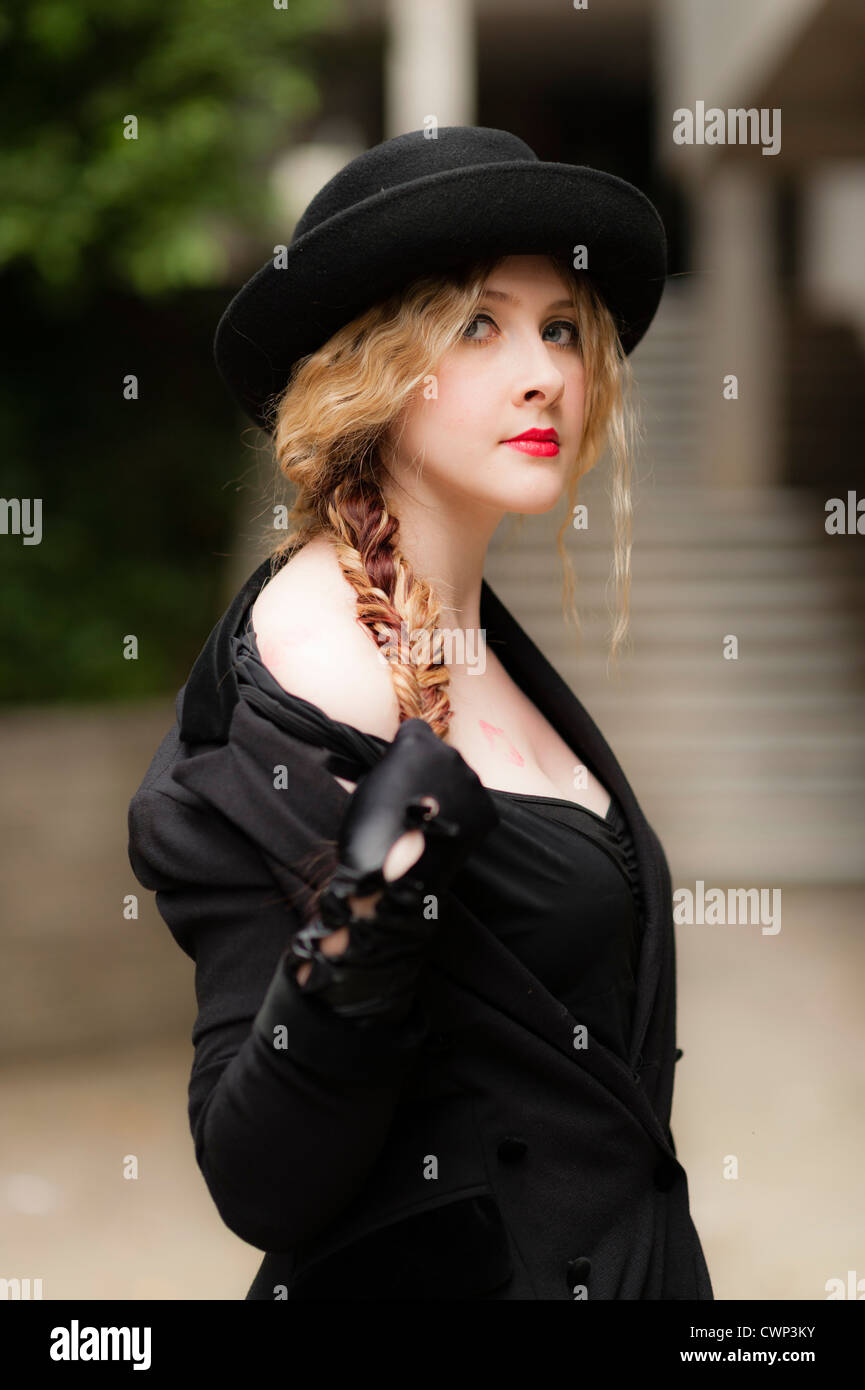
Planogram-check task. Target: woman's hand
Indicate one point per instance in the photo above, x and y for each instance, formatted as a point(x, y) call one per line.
point(420, 785)
point(411, 822)
point(401, 856)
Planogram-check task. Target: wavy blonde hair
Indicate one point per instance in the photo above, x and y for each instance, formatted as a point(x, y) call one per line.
point(328, 422)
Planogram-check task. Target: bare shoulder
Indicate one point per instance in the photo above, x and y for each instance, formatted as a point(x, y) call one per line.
point(308, 636)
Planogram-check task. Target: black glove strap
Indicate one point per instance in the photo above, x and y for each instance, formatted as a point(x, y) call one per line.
point(375, 976)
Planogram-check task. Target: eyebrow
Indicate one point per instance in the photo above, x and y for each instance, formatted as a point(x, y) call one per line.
point(512, 299)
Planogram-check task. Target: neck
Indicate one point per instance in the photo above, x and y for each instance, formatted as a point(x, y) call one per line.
point(446, 544)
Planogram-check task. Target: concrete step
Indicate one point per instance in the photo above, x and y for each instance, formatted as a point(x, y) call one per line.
point(698, 525)
point(650, 561)
point(833, 723)
point(694, 530)
point(696, 673)
point(699, 631)
point(753, 770)
point(707, 593)
point(672, 777)
point(764, 854)
point(726, 789)
point(743, 835)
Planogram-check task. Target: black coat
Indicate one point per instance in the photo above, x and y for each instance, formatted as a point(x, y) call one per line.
point(474, 1151)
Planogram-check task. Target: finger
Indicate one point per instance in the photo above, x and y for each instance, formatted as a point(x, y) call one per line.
point(406, 851)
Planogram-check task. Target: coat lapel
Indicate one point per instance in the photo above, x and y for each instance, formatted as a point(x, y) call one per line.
point(545, 688)
point(238, 777)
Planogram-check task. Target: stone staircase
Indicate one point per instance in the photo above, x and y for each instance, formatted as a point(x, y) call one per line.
point(752, 771)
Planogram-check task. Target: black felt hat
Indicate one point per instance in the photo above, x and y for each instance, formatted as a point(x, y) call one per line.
point(412, 205)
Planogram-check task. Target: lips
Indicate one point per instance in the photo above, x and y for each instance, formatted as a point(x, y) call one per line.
point(541, 443)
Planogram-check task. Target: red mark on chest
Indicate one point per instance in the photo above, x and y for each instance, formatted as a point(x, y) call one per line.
point(491, 733)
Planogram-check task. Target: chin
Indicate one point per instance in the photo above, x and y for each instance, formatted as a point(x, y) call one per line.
point(536, 505)
point(526, 489)
point(532, 496)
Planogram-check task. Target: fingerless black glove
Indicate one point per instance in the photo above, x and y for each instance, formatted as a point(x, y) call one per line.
point(421, 784)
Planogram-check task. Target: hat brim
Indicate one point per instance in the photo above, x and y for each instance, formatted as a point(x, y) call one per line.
point(357, 257)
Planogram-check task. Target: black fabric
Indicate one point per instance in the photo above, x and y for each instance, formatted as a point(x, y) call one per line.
point(412, 205)
point(557, 883)
point(551, 1165)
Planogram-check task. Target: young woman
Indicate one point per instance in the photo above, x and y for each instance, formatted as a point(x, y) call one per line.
point(432, 929)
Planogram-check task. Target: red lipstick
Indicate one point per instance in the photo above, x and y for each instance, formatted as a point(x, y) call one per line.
point(541, 443)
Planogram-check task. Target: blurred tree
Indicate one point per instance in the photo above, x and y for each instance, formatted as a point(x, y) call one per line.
point(117, 257)
point(141, 131)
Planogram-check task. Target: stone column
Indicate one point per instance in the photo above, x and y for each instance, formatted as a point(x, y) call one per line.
point(430, 65)
point(735, 260)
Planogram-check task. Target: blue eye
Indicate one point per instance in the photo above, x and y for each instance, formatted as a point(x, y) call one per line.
point(478, 318)
point(559, 323)
point(564, 323)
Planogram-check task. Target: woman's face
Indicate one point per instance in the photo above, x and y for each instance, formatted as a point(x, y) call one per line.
point(517, 367)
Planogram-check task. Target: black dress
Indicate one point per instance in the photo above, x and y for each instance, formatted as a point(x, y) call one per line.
point(546, 858)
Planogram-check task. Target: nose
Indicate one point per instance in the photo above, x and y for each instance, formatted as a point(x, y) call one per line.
point(537, 376)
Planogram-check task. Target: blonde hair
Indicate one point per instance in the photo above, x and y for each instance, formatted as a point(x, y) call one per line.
point(340, 400)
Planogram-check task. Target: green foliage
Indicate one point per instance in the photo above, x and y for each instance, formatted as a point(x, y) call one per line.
point(138, 497)
point(114, 260)
point(214, 86)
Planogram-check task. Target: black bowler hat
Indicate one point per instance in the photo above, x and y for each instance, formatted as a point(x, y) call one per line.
point(414, 204)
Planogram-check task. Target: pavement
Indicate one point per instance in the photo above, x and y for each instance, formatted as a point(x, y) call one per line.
point(102, 1198)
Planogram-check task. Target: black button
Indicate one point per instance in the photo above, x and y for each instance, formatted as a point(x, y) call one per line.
point(665, 1174)
point(512, 1150)
point(578, 1271)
